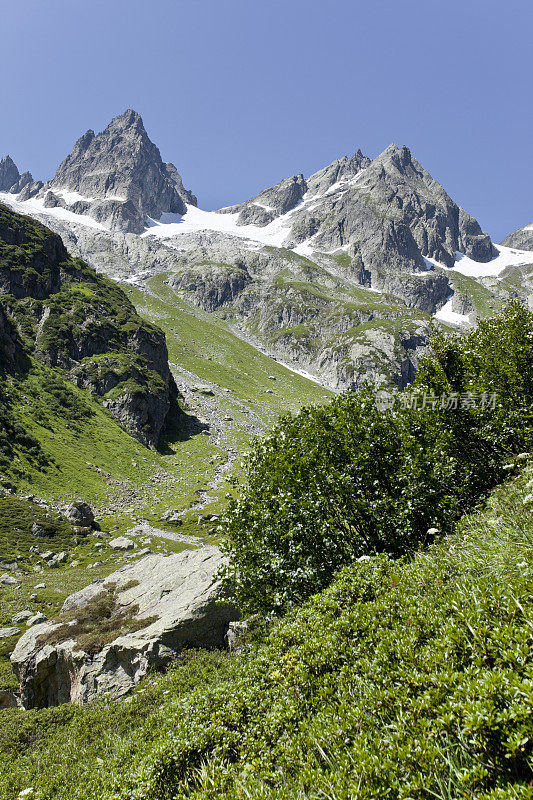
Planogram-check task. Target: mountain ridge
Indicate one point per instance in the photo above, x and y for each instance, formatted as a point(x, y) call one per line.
point(316, 270)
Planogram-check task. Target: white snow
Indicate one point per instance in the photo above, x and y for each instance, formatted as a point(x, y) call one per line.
point(304, 248)
point(507, 257)
point(195, 220)
point(72, 197)
point(262, 205)
point(36, 206)
point(445, 314)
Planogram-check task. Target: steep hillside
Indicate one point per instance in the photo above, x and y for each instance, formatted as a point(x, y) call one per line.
point(66, 316)
point(75, 353)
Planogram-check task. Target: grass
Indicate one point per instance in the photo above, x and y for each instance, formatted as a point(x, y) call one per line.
point(485, 303)
point(17, 517)
point(96, 624)
point(405, 680)
point(69, 448)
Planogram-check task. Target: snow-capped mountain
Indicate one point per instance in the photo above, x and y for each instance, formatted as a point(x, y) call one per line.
point(117, 178)
point(345, 273)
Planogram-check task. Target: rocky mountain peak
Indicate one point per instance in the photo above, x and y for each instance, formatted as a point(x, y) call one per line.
point(130, 119)
point(118, 177)
point(12, 181)
point(339, 170)
point(9, 173)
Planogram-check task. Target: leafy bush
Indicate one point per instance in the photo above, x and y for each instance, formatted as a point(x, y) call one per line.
point(347, 479)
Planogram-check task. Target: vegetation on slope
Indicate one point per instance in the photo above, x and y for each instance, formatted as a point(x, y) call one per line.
point(403, 679)
point(65, 315)
point(348, 479)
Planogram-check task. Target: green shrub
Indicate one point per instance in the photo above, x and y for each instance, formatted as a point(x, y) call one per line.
point(347, 479)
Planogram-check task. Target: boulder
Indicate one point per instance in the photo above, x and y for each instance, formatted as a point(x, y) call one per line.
point(9, 580)
point(121, 543)
point(173, 602)
point(21, 616)
point(80, 514)
point(36, 619)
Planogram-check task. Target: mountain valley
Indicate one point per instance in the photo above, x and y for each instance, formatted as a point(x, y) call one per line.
point(195, 479)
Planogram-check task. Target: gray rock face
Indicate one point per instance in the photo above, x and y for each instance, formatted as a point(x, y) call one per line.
point(342, 169)
point(121, 543)
point(179, 598)
point(9, 174)
point(6, 633)
point(26, 179)
point(120, 176)
point(81, 514)
point(132, 361)
point(365, 224)
point(27, 187)
point(391, 215)
point(270, 203)
point(522, 239)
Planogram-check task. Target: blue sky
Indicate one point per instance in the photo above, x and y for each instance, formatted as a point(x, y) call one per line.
point(240, 93)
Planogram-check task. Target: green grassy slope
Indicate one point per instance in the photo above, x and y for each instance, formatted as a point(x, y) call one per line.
point(201, 343)
point(406, 680)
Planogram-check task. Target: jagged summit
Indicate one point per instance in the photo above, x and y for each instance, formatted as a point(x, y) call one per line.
point(339, 170)
point(117, 177)
point(11, 180)
point(9, 173)
point(120, 176)
point(278, 200)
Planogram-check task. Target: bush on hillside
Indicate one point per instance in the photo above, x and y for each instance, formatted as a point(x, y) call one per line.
point(344, 480)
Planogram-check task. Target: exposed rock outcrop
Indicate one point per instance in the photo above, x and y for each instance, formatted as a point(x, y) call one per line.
point(75, 320)
point(118, 178)
point(9, 174)
point(522, 239)
point(370, 231)
point(391, 215)
point(270, 203)
point(159, 605)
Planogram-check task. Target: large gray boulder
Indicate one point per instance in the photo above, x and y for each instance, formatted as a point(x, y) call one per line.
point(80, 514)
point(159, 604)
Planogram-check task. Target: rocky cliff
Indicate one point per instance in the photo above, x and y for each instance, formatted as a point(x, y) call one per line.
point(117, 177)
point(61, 312)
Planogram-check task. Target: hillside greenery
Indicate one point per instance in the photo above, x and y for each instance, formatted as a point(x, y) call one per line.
point(348, 479)
point(405, 679)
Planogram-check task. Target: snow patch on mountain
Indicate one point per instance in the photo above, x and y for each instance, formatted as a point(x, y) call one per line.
point(507, 257)
point(36, 206)
point(446, 314)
